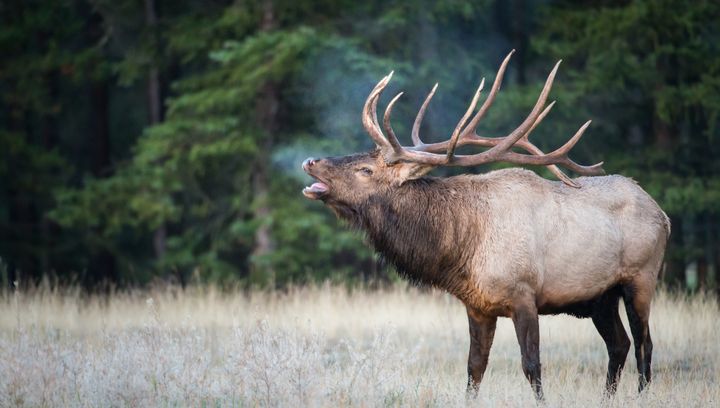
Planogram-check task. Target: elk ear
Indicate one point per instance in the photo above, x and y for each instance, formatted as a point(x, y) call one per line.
point(410, 171)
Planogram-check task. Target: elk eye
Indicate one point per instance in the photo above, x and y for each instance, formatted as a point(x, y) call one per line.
point(366, 171)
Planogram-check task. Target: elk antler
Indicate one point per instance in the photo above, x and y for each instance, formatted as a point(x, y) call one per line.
point(465, 134)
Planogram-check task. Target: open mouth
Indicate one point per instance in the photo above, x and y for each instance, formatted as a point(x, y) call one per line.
point(316, 190)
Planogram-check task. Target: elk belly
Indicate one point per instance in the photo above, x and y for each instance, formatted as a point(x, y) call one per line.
point(583, 259)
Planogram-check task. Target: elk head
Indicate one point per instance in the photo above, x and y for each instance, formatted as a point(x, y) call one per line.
point(350, 180)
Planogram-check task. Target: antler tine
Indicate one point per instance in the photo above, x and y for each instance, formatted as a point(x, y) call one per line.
point(388, 127)
point(490, 98)
point(564, 149)
point(558, 156)
point(538, 120)
point(369, 114)
point(554, 169)
point(531, 148)
point(500, 148)
point(529, 122)
point(525, 127)
point(377, 99)
point(419, 118)
point(463, 120)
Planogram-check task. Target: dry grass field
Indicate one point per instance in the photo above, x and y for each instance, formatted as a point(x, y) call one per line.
point(324, 346)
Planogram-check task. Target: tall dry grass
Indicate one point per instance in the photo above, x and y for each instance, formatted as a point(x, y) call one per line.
point(324, 346)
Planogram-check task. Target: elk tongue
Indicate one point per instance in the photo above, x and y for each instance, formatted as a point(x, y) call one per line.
point(318, 187)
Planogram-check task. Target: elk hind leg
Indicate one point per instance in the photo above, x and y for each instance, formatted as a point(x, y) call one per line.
point(637, 297)
point(606, 319)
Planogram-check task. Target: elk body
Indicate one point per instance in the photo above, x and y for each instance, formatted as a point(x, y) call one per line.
point(506, 243)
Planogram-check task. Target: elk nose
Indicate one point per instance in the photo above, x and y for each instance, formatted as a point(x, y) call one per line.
point(309, 162)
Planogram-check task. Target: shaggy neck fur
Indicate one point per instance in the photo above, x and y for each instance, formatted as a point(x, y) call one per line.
point(422, 228)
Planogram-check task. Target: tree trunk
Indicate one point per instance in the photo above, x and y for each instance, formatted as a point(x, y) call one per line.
point(102, 270)
point(512, 22)
point(707, 261)
point(715, 277)
point(100, 128)
point(49, 229)
point(520, 38)
point(21, 266)
point(102, 267)
point(155, 113)
point(665, 133)
point(266, 109)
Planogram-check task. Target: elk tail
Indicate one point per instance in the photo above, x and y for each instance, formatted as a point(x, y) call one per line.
point(667, 223)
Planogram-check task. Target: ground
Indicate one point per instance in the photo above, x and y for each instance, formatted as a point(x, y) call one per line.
point(324, 346)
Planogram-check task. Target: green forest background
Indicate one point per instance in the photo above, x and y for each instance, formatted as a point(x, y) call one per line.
point(148, 141)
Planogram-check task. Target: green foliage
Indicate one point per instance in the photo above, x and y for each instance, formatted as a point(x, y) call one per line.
point(658, 63)
point(252, 88)
point(193, 172)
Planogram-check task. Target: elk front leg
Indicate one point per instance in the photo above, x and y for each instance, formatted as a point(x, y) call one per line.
point(525, 319)
point(482, 332)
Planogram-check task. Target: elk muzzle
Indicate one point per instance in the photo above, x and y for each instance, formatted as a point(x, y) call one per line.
point(316, 190)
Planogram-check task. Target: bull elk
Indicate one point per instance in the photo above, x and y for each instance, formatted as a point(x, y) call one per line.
point(507, 243)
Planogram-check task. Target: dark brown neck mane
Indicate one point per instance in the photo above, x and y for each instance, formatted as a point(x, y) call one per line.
point(417, 231)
